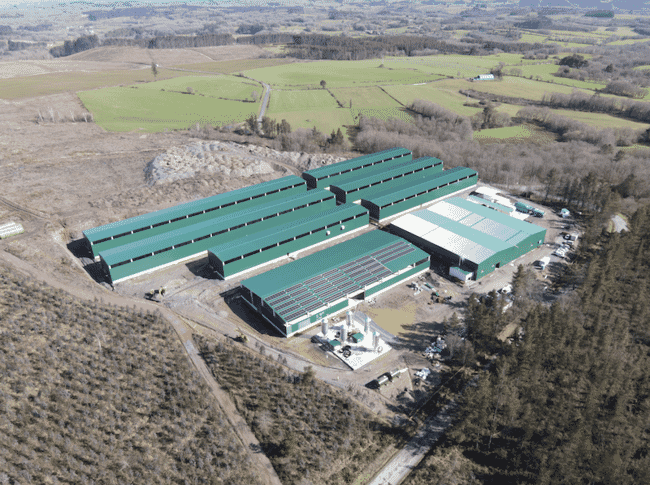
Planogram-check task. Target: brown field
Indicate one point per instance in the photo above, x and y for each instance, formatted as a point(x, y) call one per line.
point(168, 57)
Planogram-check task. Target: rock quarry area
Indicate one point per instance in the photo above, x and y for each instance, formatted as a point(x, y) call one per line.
point(230, 159)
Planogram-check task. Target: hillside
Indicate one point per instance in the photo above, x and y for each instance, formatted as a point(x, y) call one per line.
point(93, 393)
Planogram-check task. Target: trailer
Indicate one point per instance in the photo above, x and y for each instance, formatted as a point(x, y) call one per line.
point(523, 207)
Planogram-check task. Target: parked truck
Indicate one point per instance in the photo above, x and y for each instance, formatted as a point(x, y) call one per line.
point(542, 263)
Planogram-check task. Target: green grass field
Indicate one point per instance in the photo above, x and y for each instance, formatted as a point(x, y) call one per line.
point(337, 74)
point(544, 72)
point(151, 110)
point(445, 93)
point(304, 100)
point(365, 97)
point(324, 120)
point(233, 67)
point(230, 87)
point(601, 120)
point(514, 134)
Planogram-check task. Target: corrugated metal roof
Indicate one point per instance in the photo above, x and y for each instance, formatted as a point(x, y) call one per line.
point(152, 218)
point(496, 229)
point(263, 239)
point(478, 200)
point(450, 211)
point(195, 231)
point(293, 274)
point(383, 173)
point(507, 220)
point(337, 168)
point(398, 193)
point(475, 237)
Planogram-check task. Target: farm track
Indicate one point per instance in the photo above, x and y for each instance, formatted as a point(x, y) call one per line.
point(32, 213)
point(244, 433)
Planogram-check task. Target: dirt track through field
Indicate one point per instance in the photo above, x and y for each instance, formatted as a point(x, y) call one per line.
point(265, 469)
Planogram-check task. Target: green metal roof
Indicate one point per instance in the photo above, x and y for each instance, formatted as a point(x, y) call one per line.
point(202, 229)
point(248, 244)
point(405, 190)
point(163, 215)
point(479, 200)
point(337, 168)
point(329, 259)
point(381, 172)
point(384, 174)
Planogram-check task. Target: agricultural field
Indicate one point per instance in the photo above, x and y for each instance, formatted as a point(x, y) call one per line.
point(150, 108)
point(233, 66)
point(62, 82)
point(337, 74)
point(443, 93)
point(544, 72)
point(308, 109)
point(514, 134)
point(601, 120)
point(224, 87)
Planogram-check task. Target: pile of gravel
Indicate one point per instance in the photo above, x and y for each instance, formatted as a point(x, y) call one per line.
point(214, 157)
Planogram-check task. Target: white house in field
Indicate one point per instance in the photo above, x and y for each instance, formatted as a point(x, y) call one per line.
point(484, 77)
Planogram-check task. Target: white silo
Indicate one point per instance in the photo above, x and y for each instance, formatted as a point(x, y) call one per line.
point(366, 325)
point(348, 318)
point(324, 327)
point(344, 333)
point(375, 340)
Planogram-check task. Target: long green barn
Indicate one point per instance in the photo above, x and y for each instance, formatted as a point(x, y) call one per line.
point(298, 295)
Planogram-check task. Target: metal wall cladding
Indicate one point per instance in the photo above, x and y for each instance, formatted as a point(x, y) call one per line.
point(401, 277)
point(221, 257)
point(338, 172)
point(379, 213)
point(201, 235)
point(384, 180)
point(184, 215)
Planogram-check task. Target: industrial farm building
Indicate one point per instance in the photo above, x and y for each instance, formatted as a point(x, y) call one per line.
point(250, 227)
point(298, 295)
point(178, 245)
point(159, 222)
point(341, 172)
point(382, 178)
point(472, 239)
point(235, 257)
point(396, 200)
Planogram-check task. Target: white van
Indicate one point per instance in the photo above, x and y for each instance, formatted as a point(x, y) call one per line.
point(542, 263)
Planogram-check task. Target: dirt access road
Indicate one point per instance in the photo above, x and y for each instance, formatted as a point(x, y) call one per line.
point(245, 435)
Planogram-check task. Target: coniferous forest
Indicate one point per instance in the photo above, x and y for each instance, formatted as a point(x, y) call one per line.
point(570, 402)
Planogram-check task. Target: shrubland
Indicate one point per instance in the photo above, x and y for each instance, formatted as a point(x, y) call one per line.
point(93, 393)
point(311, 432)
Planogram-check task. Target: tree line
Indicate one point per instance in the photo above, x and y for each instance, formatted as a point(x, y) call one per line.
point(570, 402)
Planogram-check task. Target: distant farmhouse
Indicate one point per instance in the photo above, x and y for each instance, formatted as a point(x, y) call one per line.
point(483, 77)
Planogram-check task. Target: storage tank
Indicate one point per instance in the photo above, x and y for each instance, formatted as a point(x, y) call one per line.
point(375, 340)
point(348, 318)
point(366, 325)
point(344, 334)
point(324, 327)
